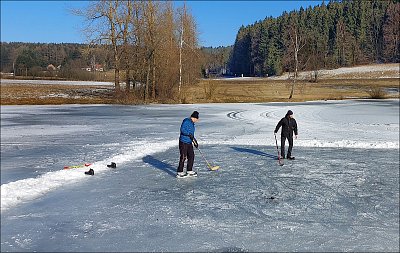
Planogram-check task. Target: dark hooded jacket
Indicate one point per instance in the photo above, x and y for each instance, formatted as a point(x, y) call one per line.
point(288, 126)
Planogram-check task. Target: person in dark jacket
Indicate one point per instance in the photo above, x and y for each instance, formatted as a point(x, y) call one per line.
point(186, 151)
point(289, 125)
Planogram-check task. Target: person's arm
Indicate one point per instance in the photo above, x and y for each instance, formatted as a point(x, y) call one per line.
point(295, 129)
point(278, 126)
point(189, 129)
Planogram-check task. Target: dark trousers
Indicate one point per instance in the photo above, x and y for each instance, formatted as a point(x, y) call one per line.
point(186, 152)
point(290, 140)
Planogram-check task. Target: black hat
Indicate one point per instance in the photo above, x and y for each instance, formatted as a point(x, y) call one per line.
point(289, 113)
point(195, 115)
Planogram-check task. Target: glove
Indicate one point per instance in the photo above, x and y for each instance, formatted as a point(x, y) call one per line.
point(275, 132)
point(195, 143)
point(191, 137)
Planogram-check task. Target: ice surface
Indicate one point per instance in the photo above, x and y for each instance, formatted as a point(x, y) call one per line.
point(340, 194)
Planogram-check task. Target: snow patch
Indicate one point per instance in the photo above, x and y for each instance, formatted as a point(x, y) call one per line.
point(31, 188)
point(54, 82)
point(379, 70)
point(310, 143)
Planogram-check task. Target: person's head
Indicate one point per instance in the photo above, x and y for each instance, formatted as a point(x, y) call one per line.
point(195, 116)
point(289, 114)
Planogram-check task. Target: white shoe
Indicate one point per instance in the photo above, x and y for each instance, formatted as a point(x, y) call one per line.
point(192, 173)
point(181, 175)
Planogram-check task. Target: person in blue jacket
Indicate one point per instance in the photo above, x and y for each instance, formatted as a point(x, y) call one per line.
point(186, 151)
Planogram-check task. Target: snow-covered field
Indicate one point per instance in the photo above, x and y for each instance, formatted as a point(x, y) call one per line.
point(340, 194)
point(54, 82)
point(380, 71)
point(358, 72)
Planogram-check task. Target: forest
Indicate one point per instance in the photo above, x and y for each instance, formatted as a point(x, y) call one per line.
point(32, 59)
point(337, 34)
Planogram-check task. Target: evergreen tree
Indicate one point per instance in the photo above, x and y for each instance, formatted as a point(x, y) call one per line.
point(240, 60)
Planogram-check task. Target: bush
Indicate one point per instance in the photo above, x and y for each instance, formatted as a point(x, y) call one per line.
point(376, 92)
point(210, 88)
point(77, 74)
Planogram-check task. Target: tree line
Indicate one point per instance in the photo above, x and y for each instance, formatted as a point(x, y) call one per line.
point(337, 34)
point(32, 59)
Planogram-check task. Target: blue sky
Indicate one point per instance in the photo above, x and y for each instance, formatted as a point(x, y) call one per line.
point(51, 22)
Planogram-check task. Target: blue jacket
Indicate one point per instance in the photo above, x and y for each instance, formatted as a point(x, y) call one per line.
point(187, 128)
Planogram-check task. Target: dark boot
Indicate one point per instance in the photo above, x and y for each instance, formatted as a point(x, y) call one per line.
point(112, 165)
point(90, 172)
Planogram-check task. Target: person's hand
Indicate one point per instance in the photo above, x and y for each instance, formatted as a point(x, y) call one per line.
point(195, 143)
point(191, 137)
point(295, 136)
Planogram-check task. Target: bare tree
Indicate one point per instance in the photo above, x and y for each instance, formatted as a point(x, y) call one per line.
point(137, 57)
point(167, 65)
point(102, 27)
point(190, 53)
point(149, 13)
point(124, 22)
point(296, 40)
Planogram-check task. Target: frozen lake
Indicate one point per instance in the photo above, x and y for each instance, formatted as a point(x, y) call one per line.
point(340, 194)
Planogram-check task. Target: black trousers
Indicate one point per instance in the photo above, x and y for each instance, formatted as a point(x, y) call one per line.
point(290, 140)
point(186, 152)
